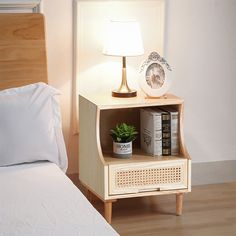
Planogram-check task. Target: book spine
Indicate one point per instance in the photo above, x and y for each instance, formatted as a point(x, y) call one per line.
point(174, 133)
point(146, 131)
point(166, 134)
point(157, 135)
point(151, 134)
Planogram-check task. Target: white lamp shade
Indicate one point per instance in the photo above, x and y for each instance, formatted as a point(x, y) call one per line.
point(123, 38)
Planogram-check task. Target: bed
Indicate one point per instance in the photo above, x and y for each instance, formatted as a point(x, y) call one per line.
point(36, 197)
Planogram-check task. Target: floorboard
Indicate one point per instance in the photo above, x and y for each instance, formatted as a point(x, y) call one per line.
point(208, 210)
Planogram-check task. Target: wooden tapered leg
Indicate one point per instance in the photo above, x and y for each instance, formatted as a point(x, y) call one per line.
point(108, 211)
point(179, 203)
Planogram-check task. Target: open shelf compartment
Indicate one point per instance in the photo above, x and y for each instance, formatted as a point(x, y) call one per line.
point(109, 118)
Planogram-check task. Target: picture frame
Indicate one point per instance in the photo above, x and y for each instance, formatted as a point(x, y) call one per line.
point(155, 80)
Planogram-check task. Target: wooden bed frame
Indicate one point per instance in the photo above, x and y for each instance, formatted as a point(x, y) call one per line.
point(22, 50)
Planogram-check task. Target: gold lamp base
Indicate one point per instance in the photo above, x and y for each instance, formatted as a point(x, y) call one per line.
point(124, 91)
point(119, 94)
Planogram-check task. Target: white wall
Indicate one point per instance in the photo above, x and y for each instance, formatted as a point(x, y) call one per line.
point(101, 73)
point(58, 16)
point(201, 47)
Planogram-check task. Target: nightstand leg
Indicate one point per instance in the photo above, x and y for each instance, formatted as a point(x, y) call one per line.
point(108, 211)
point(179, 203)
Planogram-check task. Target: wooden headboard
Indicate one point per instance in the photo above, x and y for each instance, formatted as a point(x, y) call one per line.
point(22, 50)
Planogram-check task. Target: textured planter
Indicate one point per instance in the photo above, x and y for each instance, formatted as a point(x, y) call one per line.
point(122, 150)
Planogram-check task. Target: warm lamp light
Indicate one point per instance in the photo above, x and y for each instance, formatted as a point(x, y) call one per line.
point(123, 39)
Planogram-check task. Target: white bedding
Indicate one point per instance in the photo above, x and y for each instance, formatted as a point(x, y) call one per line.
point(30, 124)
point(38, 199)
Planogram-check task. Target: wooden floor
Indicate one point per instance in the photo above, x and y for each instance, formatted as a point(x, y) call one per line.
point(208, 210)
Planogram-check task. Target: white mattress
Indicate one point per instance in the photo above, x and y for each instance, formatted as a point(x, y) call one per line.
point(38, 199)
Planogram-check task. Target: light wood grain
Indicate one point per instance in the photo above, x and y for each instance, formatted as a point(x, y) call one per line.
point(98, 114)
point(210, 210)
point(179, 203)
point(82, 185)
point(108, 210)
point(106, 101)
point(91, 165)
point(22, 50)
point(152, 192)
point(139, 156)
point(189, 175)
point(183, 149)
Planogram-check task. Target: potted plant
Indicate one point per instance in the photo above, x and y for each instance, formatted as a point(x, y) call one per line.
point(123, 135)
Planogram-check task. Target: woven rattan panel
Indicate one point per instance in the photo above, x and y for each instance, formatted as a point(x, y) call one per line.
point(146, 177)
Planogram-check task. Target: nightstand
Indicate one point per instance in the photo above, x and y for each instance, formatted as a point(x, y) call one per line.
point(142, 175)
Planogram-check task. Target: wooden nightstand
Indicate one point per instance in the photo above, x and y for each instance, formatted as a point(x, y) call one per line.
point(111, 178)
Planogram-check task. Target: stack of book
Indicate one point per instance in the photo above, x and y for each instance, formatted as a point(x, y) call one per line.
point(159, 131)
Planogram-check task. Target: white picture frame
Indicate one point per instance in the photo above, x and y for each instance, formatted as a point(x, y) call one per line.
point(155, 79)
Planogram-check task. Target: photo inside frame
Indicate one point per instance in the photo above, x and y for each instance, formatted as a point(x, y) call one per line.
point(155, 75)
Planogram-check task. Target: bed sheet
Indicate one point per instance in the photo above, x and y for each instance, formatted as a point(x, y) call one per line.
point(39, 199)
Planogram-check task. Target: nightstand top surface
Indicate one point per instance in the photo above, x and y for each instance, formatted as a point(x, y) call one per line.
point(106, 101)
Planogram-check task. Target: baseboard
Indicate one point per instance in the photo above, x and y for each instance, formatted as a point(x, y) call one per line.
point(202, 173)
point(213, 172)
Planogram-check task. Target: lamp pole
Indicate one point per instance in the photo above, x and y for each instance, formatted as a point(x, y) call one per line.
point(124, 90)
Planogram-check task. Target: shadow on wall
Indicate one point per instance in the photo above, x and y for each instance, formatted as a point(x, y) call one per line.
point(200, 44)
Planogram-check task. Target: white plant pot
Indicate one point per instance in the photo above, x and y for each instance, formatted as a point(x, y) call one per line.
point(122, 150)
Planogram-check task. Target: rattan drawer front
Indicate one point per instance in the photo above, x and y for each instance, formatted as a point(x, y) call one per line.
point(152, 176)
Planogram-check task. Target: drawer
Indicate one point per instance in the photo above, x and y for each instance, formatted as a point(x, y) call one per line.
point(147, 176)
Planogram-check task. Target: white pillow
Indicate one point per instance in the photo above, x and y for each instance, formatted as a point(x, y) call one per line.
point(30, 126)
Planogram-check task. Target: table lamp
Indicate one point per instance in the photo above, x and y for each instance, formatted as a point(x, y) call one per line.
point(123, 39)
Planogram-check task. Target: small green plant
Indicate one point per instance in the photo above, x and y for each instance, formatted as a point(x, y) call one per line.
point(123, 133)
